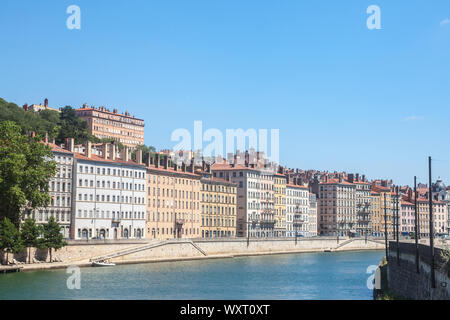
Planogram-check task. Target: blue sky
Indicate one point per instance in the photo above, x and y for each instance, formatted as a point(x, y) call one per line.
point(344, 97)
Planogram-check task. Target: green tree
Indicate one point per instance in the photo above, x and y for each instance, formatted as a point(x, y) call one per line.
point(73, 126)
point(52, 237)
point(147, 151)
point(10, 240)
point(25, 172)
point(30, 233)
point(39, 122)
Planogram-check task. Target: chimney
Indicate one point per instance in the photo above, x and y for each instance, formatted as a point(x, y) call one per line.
point(157, 160)
point(85, 105)
point(364, 177)
point(112, 152)
point(46, 102)
point(351, 177)
point(105, 150)
point(148, 160)
point(46, 137)
point(166, 162)
point(88, 149)
point(175, 166)
point(340, 179)
point(183, 166)
point(70, 144)
point(209, 168)
point(126, 154)
point(192, 166)
point(203, 166)
point(139, 156)
point(357, 177)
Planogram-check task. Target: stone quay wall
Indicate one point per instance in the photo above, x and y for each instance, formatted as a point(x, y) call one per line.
point(122, 251)
point(406, 282)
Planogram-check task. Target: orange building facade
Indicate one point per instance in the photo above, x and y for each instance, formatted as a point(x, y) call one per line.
point(105, 124)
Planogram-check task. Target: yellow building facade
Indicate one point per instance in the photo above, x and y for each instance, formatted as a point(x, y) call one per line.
point(378, 206)
point(280, 204)
point(173, 203)
point(218, 208)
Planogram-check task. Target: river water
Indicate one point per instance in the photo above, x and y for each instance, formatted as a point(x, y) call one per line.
point(337, 275)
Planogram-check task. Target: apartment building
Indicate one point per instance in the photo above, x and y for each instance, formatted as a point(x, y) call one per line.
point(105, 124)
point(336, 207)
point(173, 200)
point(255, 197)
point(312, 213)
point(60, 189)
point(279, 187)
point(381, 210)
point(407, 218)
point(110, 194)
point(297, 210)
point(218, 207)
point(363, 204)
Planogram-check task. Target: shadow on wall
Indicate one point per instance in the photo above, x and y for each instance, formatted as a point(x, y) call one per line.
point(36, 255)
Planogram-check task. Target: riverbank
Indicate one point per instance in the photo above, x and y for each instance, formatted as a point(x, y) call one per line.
point(82, 254)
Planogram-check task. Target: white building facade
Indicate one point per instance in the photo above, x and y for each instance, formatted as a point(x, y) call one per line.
point(61, 191)
point(255, 198)
point(297, 210)
point(110, 196)
point(312, 213)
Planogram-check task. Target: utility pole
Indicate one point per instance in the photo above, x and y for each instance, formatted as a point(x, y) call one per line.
point(416, 225)
point(398, 226)
point(385, 228)
point(430, 200)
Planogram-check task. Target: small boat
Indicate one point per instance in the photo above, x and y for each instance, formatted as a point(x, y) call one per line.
point(102, 264)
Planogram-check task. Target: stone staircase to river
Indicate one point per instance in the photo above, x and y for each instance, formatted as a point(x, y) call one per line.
point(147, 246)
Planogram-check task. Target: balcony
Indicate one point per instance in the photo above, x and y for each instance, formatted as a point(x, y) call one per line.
point(116, 219)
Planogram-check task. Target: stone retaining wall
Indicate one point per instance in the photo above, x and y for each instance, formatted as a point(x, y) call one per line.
point(82, 251)
point(403, 279)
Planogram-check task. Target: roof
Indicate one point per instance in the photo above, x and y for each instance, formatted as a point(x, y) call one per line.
point(360, 182)
point(56, 148)
point(109, 112)
point(227, 166)
point(336, 181)
point(296, 186)
point(100, 159)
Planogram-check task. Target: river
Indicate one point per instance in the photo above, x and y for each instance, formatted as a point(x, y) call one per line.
point(337, 275)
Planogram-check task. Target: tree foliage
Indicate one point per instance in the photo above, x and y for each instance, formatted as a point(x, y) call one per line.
point(25, 172)
point(66, 124)
point(52, 237)
point(30, 233)
point(73, 126)
point(147, 151)
point(10, 240)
